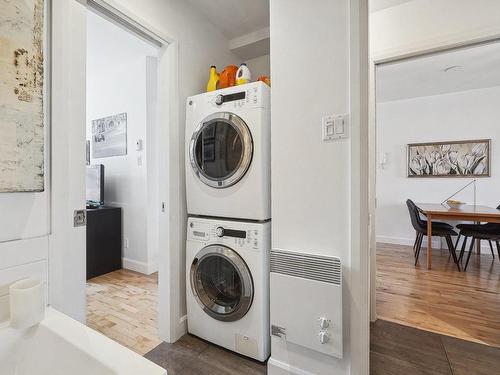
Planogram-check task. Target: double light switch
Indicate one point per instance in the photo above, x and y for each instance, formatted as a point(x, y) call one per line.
point(334, 127)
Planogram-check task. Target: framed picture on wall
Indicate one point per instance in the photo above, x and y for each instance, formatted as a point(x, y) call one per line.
point(469, 158)
point(109, 136)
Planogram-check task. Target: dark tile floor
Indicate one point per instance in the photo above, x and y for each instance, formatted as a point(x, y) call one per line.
point(395, 350)
point(191, 355)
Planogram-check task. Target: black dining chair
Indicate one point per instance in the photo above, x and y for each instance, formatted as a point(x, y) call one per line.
point(491, 234)
point(438, 229)
point(489, 227)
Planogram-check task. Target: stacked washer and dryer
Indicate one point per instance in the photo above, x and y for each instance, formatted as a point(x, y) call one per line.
point(228, 182)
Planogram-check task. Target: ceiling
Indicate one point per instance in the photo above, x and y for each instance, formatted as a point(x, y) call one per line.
point(235, 18)
point(474, 68)
point(376, 5)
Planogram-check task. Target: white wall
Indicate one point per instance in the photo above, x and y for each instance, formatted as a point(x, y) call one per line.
point(199, 44)
point(116, 83)
point(427, 24)
point(311, 179)
point(259, 66)
point(463, 115)
point(25, 227)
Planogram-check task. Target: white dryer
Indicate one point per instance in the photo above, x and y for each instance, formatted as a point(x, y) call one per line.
point(228, 149)
point(227, 284)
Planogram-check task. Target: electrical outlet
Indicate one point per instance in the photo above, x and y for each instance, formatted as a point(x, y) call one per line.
point(79, 218)
point(125, 243)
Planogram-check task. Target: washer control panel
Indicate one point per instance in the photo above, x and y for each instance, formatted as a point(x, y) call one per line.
point(232, 235)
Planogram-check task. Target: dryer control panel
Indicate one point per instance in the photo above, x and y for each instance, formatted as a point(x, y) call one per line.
point(233, 234)
point(245, 96)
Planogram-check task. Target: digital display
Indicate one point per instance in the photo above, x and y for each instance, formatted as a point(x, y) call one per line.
point(235, 96)
point(235, 233)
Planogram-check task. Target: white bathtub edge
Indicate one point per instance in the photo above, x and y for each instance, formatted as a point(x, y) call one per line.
point(111, 354)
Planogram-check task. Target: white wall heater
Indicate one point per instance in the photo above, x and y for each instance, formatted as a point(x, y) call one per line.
point(306, 301)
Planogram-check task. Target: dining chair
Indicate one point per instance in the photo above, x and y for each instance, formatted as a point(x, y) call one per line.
point(491, 227)
point(491, 234)
point(439, 229)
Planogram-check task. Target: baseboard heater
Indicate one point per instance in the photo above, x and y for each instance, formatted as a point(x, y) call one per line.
point(306, 300)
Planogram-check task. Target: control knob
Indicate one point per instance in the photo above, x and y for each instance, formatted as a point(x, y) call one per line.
point(219, 232)
point(324, 337)
point(324, 323)
point(219, 99)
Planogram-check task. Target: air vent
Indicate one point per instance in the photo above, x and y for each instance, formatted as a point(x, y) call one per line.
point(307, 266)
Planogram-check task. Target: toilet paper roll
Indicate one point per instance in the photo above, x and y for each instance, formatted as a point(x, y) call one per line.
point(27, 303)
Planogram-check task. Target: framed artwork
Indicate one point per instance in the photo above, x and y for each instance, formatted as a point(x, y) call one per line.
point(109, 136)
point(22, 96)
point(450, 159)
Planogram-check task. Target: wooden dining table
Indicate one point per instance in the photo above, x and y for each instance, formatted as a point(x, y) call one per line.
point(473, 213)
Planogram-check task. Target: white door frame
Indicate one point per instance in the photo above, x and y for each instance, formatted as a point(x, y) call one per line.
point(395, 56)
point(67, 244)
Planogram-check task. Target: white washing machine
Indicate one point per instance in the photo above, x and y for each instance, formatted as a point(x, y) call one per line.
point(228, 149)
point(227, 284)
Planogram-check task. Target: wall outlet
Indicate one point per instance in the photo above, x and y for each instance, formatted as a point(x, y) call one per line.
point(125, 243)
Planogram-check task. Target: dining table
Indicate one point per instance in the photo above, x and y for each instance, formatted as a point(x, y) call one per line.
point(469, 213)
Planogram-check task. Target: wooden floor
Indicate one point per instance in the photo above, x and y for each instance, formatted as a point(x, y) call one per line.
point(464, 305)
point(123, 306)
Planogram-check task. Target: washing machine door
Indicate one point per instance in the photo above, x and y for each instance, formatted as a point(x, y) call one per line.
point(221, 283)
point(221, 150)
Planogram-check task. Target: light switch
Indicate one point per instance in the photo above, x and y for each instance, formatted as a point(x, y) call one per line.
point(328, 127)
point(339, 125)
point(330, 130)
point(335, 127)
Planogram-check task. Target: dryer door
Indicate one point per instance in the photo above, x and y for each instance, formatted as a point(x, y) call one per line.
point(221, 283)
point(221, 150)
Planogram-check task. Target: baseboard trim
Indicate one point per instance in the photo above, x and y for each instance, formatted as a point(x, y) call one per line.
point(140, 267)
point(437, 243)
point(275, 367)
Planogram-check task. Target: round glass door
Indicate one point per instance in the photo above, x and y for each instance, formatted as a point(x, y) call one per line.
point(221, 283)
point(221, 150)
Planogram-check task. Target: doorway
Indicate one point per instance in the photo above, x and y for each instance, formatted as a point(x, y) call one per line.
point(441, 97)
point(125, 208)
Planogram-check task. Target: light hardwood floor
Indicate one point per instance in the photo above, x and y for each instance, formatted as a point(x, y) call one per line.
point(123, 306)
point(464, 305)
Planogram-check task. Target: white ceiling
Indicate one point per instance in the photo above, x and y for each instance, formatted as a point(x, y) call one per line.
point(376, 5)
point(235, 18)
point(477, 67)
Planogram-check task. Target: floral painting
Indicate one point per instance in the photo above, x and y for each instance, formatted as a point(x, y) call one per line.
point(21, 96)
point(449, 159)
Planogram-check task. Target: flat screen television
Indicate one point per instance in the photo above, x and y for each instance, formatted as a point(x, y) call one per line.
point(95, 185)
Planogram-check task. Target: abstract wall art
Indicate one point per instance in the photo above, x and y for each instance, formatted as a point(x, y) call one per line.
point(450, 159)
point(21, 96)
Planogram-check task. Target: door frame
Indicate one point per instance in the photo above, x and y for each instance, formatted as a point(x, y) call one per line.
point(67, 22)
point(398, 55)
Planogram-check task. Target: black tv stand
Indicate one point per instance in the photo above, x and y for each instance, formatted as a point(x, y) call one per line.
point(104, 240)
